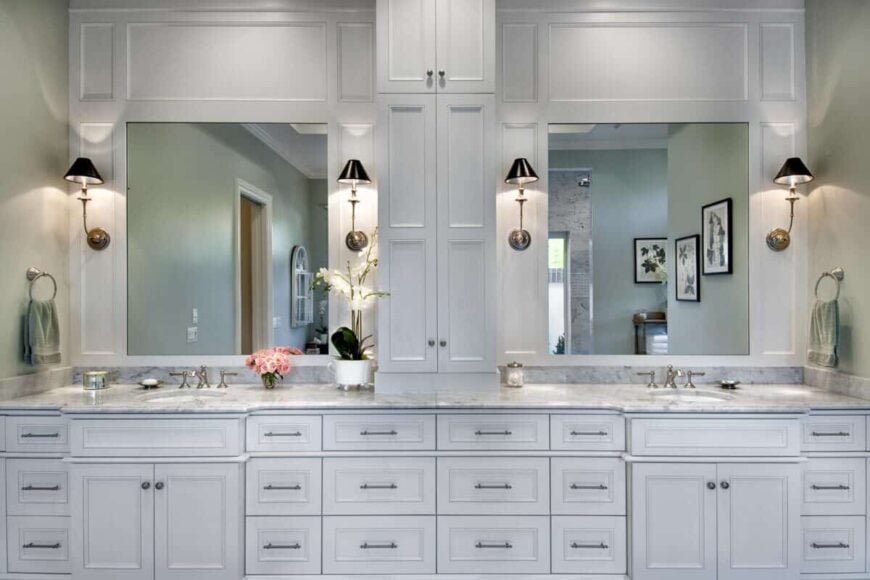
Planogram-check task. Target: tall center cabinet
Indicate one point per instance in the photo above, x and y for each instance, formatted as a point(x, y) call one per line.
point(437, 183)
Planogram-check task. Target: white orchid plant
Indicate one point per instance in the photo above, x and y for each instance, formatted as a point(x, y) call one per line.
point(351, 287)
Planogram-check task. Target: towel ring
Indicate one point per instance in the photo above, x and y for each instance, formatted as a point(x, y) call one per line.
point(837, 274)
point(34, 274)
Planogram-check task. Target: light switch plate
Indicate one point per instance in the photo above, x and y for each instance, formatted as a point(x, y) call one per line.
point(194, 317)
point(192, 334)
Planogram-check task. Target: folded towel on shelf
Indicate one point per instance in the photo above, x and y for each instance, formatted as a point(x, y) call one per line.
point(824, 333)
point(41, 333)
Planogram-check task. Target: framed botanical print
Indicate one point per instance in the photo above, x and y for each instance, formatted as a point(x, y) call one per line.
point(650, 260)
point(717, 238)
point(688, 268)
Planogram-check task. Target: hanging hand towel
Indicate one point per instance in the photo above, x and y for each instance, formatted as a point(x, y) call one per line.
point(824, 333)
point(41, 333)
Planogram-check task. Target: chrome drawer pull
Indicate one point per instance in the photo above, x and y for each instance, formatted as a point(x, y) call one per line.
point(379, 486)
point(598, 546)
point(589, 433)
point(40, 488)
point(505, 432)
point(367, 546)
point(294, 487)
point(493, 486)
point(837, 546)
point(366, 432)
point(599, 486)
point(504, 545)
point(40, 435)
point(840, 487)
point(42, 546)
point(279, 434)
point(836, 434)
point(271, 546)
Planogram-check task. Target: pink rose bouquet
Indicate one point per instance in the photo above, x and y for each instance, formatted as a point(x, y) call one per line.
point(272, 363)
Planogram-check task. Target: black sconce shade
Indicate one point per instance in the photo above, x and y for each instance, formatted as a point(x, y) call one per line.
point(793, 172)
point(521, 172)
point(354, 173)
point(83, 171)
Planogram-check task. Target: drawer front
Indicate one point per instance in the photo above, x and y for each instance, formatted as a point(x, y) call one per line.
point(38, 544)
point(37, 487)
point(282, 487)
point(379, 545)
point(378, 432)
point(494, 431)
point(379, 485)
point(483, 485)
point(37, 434)
point(588, 486)
point(834, 433)
point(834, 487)
point(282, 545)
point(494, 545)
point(587, 433)
point(724, 437)
point(156, 437)
point(833, 544)
point(283, 433)
point(589, 545)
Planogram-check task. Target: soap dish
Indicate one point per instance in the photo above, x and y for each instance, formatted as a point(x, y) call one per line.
point(729, 385)
point(149, 384)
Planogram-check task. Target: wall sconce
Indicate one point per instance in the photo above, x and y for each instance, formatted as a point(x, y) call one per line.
point(520, 174)
point(792, 174)
point(83, 172)
point(354, 173)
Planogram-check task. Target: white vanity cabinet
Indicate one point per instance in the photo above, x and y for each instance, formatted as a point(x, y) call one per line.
point(428, 46)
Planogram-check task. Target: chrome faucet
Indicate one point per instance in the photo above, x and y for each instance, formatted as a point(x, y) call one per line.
point(202, 376)
point(670, 377)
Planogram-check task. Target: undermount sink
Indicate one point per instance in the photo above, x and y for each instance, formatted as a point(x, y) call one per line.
point(182, 396)
point(690, 395)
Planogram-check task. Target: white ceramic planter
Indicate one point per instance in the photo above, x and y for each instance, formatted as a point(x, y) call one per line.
point(351, 374)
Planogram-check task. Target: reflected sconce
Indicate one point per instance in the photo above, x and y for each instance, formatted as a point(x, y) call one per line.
point(354, 173)
point(792, 174)
point(84, 173)
point(520, 174)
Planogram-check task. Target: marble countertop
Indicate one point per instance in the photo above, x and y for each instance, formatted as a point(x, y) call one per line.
point(625, 398)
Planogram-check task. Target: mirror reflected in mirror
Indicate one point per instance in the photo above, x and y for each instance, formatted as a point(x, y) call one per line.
point(226, 226)
point(648, 239)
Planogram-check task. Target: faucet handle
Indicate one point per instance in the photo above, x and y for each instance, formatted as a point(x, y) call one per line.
point(224, 374)
point(184, 375)
point(652, 379)
point(690, 374)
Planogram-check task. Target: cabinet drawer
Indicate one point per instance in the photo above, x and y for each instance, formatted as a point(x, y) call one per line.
point(587, 433)
point(283, 433)
point(379, 485)
point(282, 545)
point(588, 486)
point(37, 434)
point(378, 432)
point(282, 487)
point(494, 545)
point(834, 487)
point(589, 545)
point(38, 544)
point(379, 545)
point(468, 432)
point(833, 544)
point(834, 433)
point(724, 437)
point(156, 437)
point(37, 487)
point(510, 485)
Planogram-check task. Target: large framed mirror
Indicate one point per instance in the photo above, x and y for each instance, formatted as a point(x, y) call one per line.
point(226, 225)
point(648, 249)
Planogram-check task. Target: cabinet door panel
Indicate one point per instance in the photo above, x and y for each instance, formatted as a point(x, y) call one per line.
point(406, 46)
point(759, 521)
point(674, 531)
point(466, 46)
point(114, 519)
point(198, 518)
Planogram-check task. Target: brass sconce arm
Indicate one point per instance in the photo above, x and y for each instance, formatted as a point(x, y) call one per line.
point(792, 173)
point(83, 172)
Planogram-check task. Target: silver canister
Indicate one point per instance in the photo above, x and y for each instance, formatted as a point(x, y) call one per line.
point(515, 376)
point(95, 380)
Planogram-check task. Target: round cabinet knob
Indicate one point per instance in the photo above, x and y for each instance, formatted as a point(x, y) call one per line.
point(441, 73)
point(431, 342)
point(711, 485)
point(146, 485)
point(443, 343)
point(724, 485)
point(158, 485)
point(429, 73)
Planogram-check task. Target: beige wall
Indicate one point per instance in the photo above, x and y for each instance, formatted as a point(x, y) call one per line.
point(838, 43)
point(34, 222)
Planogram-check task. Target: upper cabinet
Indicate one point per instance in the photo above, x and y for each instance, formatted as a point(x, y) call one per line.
point(428, 46)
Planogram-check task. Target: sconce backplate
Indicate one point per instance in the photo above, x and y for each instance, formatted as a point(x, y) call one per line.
point(778, 239)
point(98, 239)
point(519, 239)
point(356, 240)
